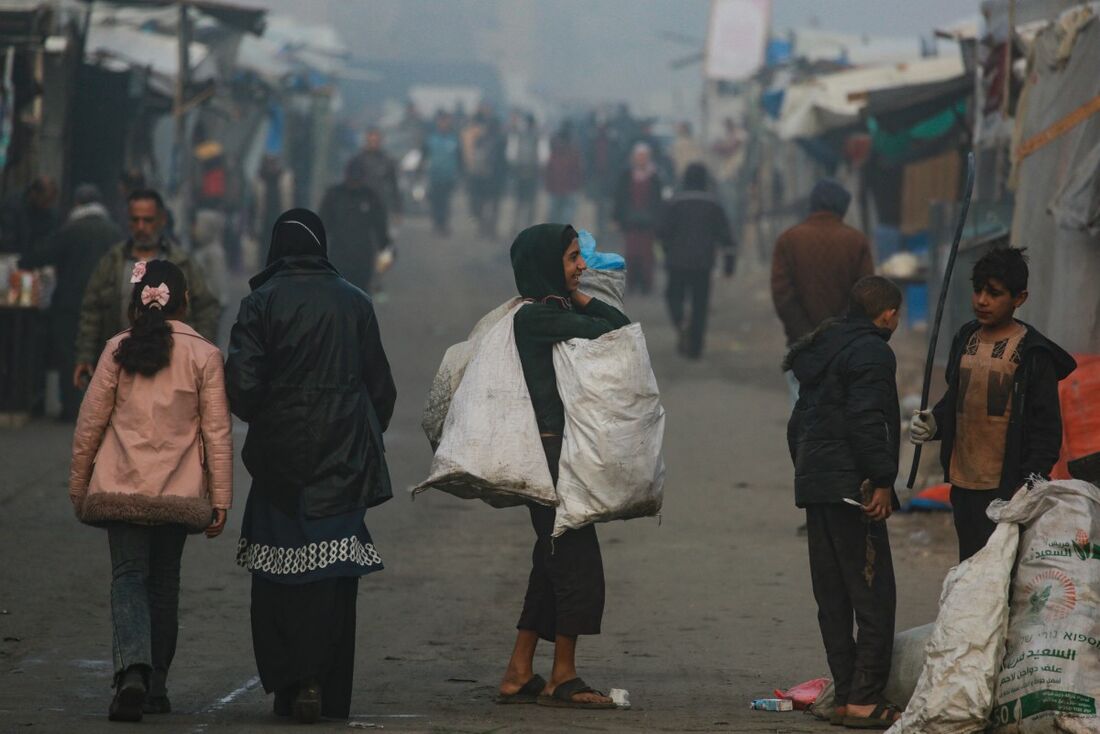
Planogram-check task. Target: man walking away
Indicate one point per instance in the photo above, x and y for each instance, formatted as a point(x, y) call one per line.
point(522, 151)
point(844, 439)
point(443, 157)
point(74, 251)
point(104, 310)
point(356, 220)
point(815, 265)
point(693, 227)
point(380, 173)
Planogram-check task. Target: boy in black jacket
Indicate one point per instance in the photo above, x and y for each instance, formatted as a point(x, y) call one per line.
point(844, 440)
point(1000, 420)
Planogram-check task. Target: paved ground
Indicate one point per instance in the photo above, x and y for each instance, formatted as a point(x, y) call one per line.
point(706, 610)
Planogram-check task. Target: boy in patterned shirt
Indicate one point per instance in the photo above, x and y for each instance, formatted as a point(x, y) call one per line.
point(1000, 421)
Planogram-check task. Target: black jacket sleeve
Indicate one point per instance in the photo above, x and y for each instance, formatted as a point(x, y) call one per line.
point(551, 325)
point(871, 384)
point(1042, 423)
point(378, 377)
point(246, 380)
point(944, 410)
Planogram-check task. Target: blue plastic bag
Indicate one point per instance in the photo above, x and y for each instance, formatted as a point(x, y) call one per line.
point(598, 260)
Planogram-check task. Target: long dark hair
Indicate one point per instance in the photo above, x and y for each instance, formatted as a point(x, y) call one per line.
point(148, 349)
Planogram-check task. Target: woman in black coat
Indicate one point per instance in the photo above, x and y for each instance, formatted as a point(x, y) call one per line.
point(308, 373)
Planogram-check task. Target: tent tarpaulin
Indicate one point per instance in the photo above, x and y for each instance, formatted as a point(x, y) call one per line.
point(1057, 212)
point(836, 100)
point(899, 109)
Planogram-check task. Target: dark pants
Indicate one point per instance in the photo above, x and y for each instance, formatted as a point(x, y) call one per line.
point(694, 285)
point(439, 199)
point(853, 574)
point(305, 633)
point(639, 260)
point(64, 328)
point(972, 526)
point(565, 592)
point(145, 592)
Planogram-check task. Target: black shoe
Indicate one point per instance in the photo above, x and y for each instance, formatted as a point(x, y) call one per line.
point(157, 705)
point(129, 697)
point(284, 701)
point(307, 704)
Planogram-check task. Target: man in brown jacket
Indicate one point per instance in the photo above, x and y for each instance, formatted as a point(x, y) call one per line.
point(816, 263)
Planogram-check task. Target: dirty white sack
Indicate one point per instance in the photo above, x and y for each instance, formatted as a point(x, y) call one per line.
point(606, 285)
point(490, 447)
point(611, 465)
point(954, 694)
point(452, 368)
point(1050, 677)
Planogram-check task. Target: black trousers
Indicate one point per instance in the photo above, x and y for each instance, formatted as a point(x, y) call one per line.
point(305, 633)
point(853, 576)
point(439, 201)
point(693, 285)
point(565, 592)
point(972, 527)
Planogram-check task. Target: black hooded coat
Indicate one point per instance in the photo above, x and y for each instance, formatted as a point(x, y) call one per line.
point(308, 373)
point(693, 225)
point(550, 317)
point(846, 425)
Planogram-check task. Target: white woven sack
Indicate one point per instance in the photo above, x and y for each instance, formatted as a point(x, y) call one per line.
point(1050, 677)
point(451, 369)
point(611, 466)
point(606, 285)
point(954, 693)
point(490, 448)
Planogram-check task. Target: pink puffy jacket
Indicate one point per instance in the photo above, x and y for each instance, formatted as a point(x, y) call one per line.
point(155, 450)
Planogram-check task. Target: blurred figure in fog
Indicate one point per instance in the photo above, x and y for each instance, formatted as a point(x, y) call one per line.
point(692, 229)
point(815, 265)
point(637, 208)
point(208, 250)
point(483, 152)
point(564, 175)
point(29, 217)
point(522, 152)
point(104, 311)
point(685, 150)
point(74, 251)
point(272, 194)
point(380, 170)
point(602, 169)
point(443, 159)
point(358, 226)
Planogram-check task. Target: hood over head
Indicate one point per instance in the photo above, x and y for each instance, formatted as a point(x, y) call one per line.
point(829, 195)
point(811, 355)
point(297, 232)
point(537, 260)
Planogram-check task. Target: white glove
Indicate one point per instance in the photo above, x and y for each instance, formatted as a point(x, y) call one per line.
point(922, 427)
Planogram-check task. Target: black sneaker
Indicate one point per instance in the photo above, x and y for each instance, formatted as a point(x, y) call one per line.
point(157, 705)
point(129, 697)
point(307, 704)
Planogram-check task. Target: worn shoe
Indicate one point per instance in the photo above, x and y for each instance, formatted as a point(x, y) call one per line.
point(129, 697)
point(157, 705)
point(307, 704)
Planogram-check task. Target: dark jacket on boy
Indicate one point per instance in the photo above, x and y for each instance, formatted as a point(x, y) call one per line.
point(846, 425)
point(1034, 439)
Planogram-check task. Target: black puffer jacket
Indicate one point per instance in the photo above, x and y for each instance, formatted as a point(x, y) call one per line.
point(846, 425)
point(308, 373)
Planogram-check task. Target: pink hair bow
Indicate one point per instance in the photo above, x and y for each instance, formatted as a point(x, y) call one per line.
point(139, 272)
point(157, 297)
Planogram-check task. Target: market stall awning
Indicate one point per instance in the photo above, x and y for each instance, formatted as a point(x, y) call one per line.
point(830, 101)
point(240, 17)
point(900, 108)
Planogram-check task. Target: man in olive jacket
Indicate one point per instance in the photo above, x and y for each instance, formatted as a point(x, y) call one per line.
point(103, 312)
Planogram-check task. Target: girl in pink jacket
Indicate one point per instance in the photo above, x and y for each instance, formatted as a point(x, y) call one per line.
point(152, 462)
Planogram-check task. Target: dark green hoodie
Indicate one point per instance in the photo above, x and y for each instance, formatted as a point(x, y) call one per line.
point(551, 317)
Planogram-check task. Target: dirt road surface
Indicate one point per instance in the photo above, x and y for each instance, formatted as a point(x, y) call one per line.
point(706, 610)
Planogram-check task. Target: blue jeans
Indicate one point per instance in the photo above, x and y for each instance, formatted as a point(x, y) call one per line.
point(145, 590)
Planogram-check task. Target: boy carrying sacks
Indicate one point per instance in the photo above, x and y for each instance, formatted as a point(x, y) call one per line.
point(844, 440)
point(1000, 421)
